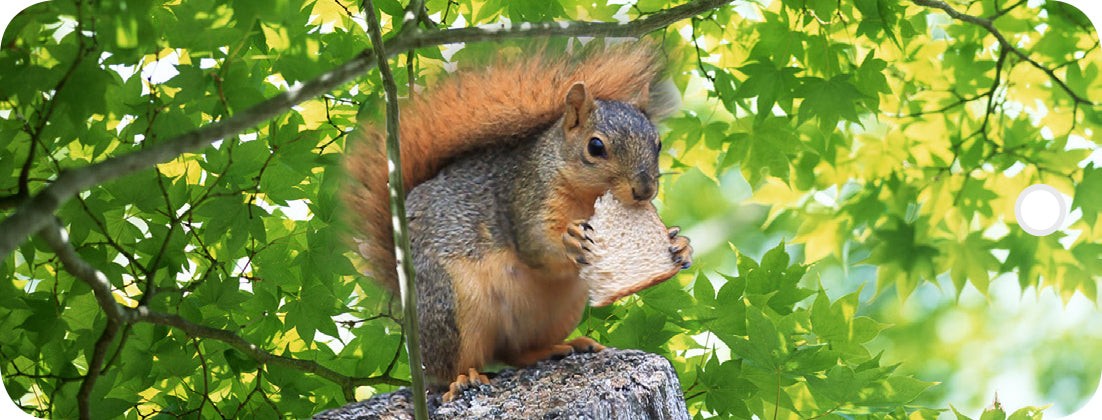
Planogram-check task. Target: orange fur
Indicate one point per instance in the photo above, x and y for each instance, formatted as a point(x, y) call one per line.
point(510, 312)
point(473, 110)
point(568, 205)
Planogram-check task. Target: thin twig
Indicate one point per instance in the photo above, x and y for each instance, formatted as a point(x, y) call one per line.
point(999, 12)
point(81, 53)
point(206, 381)
point(961, 100)
point(1003, 43)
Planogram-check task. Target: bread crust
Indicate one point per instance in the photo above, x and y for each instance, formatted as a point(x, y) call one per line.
point(631, 251)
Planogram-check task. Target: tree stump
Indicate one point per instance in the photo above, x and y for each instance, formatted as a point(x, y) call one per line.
point(612, 384)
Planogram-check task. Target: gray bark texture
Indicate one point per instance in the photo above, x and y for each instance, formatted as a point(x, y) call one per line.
point(612, 384)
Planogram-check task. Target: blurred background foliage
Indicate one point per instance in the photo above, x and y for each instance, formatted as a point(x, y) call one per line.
point(846, 170)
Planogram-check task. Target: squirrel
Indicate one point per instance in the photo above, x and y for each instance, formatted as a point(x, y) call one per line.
point(503, 167)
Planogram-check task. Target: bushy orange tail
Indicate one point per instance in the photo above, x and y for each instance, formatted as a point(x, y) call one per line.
point(474, 110)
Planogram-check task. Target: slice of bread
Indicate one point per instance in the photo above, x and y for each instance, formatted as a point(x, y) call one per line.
point(630, 250)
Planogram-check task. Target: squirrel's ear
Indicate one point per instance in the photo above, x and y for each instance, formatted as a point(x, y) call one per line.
point(663, 100)
point(578, 106)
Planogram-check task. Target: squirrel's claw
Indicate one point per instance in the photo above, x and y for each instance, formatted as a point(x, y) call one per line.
point(680, 250)
point(477, 378)
point(464, 382)
point(576, 241)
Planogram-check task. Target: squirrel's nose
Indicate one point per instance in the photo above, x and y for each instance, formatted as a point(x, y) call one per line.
point(644, 189)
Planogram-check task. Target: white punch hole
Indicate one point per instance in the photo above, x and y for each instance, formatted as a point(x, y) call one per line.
point(1040, 209)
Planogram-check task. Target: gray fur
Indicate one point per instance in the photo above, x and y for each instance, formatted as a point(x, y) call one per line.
point(439, 334)
point(492, 199)
point(445, 214)
point(444, 217)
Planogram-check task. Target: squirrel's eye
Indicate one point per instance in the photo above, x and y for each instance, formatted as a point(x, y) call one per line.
point(597, 148)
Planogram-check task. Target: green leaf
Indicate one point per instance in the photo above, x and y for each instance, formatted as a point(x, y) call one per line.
point(312, 312)
point(765, 151)
point(764, 346)
point(871, 81)
point(824, 9)
point(994, 412)
point(829, 100)
point(176, 361)
point(85, 92)
point(238, 362)
point(730, 314)
point(642, 329)
point(829, 321)
point(778, 42)
point(897, 390)
point(535, 10)
point(903, 258)
point(972, 260)
point(809, 360)
point(109, 408)
point(1022, 257)
point(667, 298)
point(1028, 413)
point(43, 325)
point(958, 414)
point(727, 391)
point(772, 85)
point(391, 7)
point(703, 291)
point(878, 18)
point(1088, 193)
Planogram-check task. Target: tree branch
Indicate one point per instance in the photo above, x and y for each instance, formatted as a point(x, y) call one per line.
point(143, 314)
point(35, 213)
point(414, 12)
point(398, 208)
point(120, 315)
point(1004, 43)
point(503, 31)
point(32, 215)
point(94, 364)
point(58, 240)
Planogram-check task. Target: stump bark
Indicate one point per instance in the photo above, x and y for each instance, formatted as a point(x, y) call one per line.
point(612, 384)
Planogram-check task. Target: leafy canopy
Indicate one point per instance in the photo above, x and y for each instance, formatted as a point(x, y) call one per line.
point(872, 132)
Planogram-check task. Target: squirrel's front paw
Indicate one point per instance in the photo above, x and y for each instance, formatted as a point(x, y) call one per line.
point(577, 242)
point(680, 250)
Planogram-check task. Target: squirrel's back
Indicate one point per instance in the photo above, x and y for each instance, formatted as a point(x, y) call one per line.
point(503, 103)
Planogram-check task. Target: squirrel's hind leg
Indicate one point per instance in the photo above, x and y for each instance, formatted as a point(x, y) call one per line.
point(464, 382)
point(556, 351)
point(530, 357)
point(585, 344)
